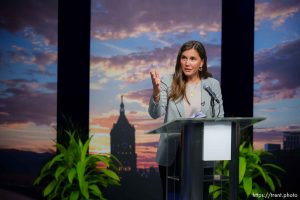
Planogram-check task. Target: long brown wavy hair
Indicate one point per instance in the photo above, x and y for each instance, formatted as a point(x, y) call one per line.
point(178, 88)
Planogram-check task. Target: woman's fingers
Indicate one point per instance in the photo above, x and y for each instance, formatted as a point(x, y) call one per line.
point(155, 81)
point(156, 74)
point(155, 77)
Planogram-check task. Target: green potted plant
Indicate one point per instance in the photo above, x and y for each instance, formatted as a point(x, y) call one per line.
point(255, 176)
point(73, 173)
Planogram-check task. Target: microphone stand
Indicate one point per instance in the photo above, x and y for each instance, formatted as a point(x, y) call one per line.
point(212, 104)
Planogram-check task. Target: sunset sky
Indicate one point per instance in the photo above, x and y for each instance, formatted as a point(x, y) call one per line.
point(128, 39)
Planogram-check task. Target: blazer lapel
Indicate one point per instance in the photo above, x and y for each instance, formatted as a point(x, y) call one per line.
point(179, 106)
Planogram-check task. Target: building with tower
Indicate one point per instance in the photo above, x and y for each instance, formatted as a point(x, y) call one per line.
point(122, 139)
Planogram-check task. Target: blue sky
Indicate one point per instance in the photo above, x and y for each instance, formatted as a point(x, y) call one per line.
point(128, 39)
point(28, 74)
point(277, 51)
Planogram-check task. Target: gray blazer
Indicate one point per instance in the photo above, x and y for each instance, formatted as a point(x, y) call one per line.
point(175, 109)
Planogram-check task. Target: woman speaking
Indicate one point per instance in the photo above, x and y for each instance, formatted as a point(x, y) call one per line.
point(189, 92)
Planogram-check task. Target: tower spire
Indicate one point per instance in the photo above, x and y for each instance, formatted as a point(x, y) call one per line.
point(122, 108)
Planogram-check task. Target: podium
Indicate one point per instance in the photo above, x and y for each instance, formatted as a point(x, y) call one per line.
point(201, 142)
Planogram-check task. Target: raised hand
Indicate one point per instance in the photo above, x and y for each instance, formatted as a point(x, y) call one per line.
point(155, 83)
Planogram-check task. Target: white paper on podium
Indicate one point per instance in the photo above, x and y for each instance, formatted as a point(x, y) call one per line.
point(217, 141)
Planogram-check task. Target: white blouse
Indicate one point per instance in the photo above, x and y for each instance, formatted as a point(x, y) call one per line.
point(193, 93)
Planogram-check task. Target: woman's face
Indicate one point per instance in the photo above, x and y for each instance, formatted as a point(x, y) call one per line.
point(190, 62)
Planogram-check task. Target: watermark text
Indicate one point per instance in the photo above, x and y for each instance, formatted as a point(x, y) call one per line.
point(269, 195)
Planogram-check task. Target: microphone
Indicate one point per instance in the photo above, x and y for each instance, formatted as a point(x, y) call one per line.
point(211, 93)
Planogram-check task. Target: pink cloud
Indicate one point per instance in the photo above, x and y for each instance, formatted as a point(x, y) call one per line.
point(43, 59)
point(105, 121)
point(141, 96)
point(131, 18)
point(274, 135)
point(135, 67)
point(27, 136)
point(276, 11)
point(141, 121)
point(146, 156)
point(266, 136)
point(278, 130)
point(268, 110)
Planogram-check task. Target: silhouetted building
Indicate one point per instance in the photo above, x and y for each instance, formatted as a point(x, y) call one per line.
point(122, 145)
point(291, 140)
point(272, 147)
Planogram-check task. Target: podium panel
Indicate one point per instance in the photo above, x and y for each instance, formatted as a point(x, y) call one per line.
point(193, 148)
point(217, 141)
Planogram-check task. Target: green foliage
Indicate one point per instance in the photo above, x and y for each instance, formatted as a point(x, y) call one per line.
point(254, 175)
point(75, 174)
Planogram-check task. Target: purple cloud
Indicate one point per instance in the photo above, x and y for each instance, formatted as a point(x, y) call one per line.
point(272, 135)
point(277, 130)
point(277, 72)
point(135, 67)
point(41, 16)
point(33, 63)
point(131, 18)
point(265, 135)
point(19, 54)
point(277, 11)
point(28, 101)
point(42, 59)
point(141, 96)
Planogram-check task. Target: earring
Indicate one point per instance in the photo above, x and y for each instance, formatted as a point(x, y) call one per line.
point(200, 69)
